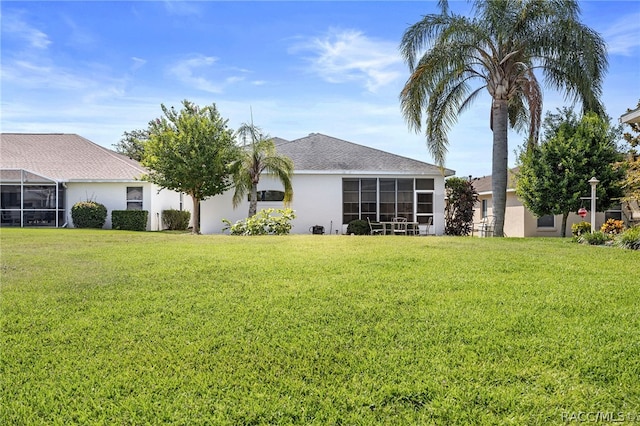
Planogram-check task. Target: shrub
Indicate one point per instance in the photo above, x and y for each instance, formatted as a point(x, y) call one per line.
point(612, 227)
point(129, 220)
point(358, 227)
point(176, 220)
point(594, 238)
point(263, 223)
point(88, 214)
point(629, 239)
point(461, 197)
point(580, 228)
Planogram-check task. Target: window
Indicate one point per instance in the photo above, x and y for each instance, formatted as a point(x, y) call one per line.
point(485, 208)
point(615, 212)
point(269, 195)
point(134, 198)
point(424, 184)
point(383, 199)
point(547, 221)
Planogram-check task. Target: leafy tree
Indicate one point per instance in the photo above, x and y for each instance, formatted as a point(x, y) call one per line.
point(553, 176)
point(132, 144)
point(192, 151)
point(458, 212)
point(259, 156)
point(631, 182)
point(500, 47)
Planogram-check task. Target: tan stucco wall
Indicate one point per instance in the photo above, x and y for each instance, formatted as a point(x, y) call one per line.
point(519, 222)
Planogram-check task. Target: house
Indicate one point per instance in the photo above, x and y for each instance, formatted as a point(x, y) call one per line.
point(337, 181)
point(520, 222)
point(43, 175)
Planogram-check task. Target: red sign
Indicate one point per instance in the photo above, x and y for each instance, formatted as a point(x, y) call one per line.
point(582, 212)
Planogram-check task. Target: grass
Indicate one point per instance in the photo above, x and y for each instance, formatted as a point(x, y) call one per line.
point(115, 327)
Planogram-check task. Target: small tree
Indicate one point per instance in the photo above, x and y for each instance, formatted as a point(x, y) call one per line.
point(192, 151)
point(458, 212)
point(554, 176)
point(259, 156)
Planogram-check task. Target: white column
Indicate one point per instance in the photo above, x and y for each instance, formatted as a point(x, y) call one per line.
point(593, 182)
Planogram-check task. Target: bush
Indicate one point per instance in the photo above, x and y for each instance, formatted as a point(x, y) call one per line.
point(176, 220)
point(629, 239)
point(88, 214)
point(262, 223)
point(129, 220)
point(595, 239)
point(612, 227)
point(358, 227)
point(580, 228)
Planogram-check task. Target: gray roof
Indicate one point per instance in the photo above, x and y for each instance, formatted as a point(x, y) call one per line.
point(484, 184)
point(318, 152)
point(69, 157)
point(65, 157)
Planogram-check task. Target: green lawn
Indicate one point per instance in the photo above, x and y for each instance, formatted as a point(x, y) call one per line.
point(114, 327)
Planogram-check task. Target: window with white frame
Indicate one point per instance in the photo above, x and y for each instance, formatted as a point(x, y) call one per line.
point(385, 198)
point(134, 198)
point(547, 221)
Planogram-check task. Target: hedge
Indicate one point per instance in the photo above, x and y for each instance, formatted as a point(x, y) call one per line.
point(129, 220)
point(176, 220)
point(88, 214)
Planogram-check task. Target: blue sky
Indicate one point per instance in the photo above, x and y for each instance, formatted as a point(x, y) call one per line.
point(99, 69)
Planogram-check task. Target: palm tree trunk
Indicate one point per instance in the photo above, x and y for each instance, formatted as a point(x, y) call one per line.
point(500, 120)
point(196, 215)
point(253, 202)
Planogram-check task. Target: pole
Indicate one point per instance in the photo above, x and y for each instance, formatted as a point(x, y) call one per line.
point(593, 182)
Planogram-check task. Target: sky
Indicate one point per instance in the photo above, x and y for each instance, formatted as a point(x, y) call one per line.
point(99, 69)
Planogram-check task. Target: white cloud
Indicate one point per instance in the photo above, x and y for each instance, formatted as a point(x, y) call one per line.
point(137, 63)
point(349, 55)
point(185, 71)
point(181, 8)
point(623, 35)
point(198, 71)
point(13, 25)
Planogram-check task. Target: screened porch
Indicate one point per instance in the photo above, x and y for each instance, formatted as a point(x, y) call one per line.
point(28, 199)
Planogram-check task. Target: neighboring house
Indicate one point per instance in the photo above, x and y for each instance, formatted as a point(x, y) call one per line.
point(336, 181)
point(43, 175)
point(520, 222)
point(632, 209)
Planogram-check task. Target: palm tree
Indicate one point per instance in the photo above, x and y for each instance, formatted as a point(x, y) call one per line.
point(500, 47)
point(259, 156)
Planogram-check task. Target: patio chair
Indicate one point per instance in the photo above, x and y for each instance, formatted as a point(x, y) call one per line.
point(375, 228)
point(399, 225)
point(485, 227)
point(428, 225)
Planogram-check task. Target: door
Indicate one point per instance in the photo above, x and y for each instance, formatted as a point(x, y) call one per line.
point(424, 209)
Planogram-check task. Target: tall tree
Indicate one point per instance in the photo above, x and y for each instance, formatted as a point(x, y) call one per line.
point(132, 144)
point(192, 151)
point(554, 176)
point(259, 156)
point(500, 46)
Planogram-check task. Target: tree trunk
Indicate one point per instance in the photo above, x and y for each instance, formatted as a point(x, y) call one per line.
point(499, 172)
point(563, 231)
point(196, 215)
point(253, 200)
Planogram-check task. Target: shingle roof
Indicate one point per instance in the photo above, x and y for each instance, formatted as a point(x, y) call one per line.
point(65, 157)
point(483, 184)
point(318, 152)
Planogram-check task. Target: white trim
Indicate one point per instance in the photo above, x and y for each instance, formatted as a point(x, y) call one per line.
point(631, 117)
